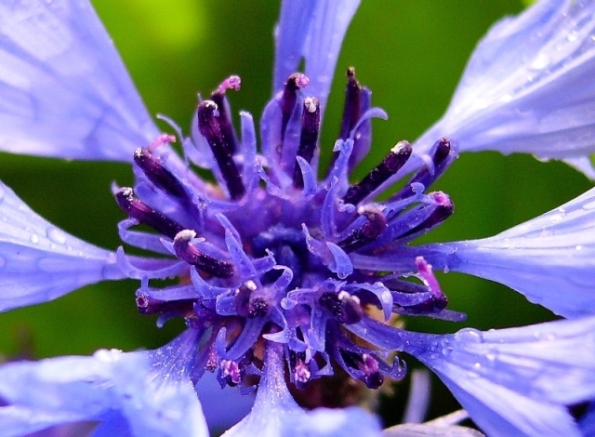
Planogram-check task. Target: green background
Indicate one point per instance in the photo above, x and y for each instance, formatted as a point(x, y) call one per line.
point(410, 53)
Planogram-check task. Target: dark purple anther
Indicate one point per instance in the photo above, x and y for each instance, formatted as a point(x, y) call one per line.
point(352, 110)
point(439, 299)
point(194, 256)
point(158, 174)
point(145, 214)
point(442, 157)
point(352, 107)
point(372, 376)
point(308, 136)
point(367, 365)
point(147, 306)
point(250, 301)
point(344, 306)
point(290, 90)
point(371, 229)
point(208, 124)
point(444, 208)
point(218, 96)
point(396, 158)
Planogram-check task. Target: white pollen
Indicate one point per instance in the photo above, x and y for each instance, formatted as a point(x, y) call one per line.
point(310, 104)
point(399, 146)
point(186, 234)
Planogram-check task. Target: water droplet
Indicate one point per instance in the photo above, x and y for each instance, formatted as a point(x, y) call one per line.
point(541, 62)
point(469, 335)
point(579, 247)
point(589, 205)
point(56, 236)
point(34, 238)
point(572, 36)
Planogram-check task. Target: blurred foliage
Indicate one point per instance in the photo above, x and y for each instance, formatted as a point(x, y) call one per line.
point(411, 54)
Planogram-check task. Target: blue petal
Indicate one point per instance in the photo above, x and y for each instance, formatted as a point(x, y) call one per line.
point(324, 422)
point(515, 381)
point(549, 259)
point(151, 390)
point(38, 262)
point(65, 92)
point(528, 87)
point(314, 31)
point(276, 414)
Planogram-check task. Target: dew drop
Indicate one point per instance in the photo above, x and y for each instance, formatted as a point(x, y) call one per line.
point(34, 238)
point(589, 205)
point(56, 236)
point(541, 62)
point(578, 247)
point(469, 335)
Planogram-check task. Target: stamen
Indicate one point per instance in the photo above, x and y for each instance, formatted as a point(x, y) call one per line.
point(344, 306)
point(250, 304)
point(352, 108)
point(426, 274)
point(396, 158)
point(158, 174)
point(145, 214)
point(373, 378)
point(289, 98)
point(366, 364)
point(148, 306)
point(373, 227)
point(308, 136)
point(210, 128)
point(443, 210)
point(192, 255)
point(218, 96)
point(441, 160)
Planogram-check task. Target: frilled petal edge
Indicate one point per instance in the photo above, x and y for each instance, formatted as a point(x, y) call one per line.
point(528, 87)
point(65, 92)
point(145, 394)
point(39, 262)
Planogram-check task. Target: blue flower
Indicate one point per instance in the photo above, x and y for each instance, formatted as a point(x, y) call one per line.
point(286, 280)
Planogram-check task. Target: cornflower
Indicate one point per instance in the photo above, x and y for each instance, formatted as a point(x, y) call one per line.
point(285, 280)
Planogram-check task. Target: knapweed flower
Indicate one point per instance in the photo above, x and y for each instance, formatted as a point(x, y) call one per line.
point(286, 279)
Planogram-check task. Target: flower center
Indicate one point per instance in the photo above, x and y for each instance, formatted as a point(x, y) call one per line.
point(272, 254)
